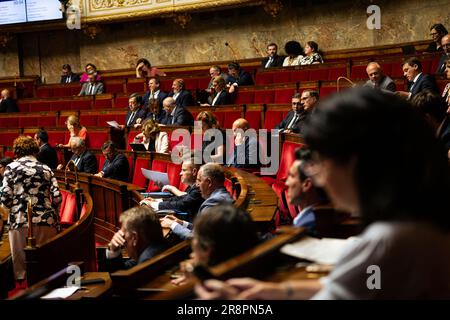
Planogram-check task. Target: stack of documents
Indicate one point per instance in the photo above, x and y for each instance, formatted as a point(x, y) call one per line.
point(323, 251)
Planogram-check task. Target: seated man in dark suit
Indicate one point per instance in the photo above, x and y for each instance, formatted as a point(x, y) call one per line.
point(219, 94)
point(92, 86)
point(188, 201)
point(434, 110)
point(302, 107)
point(83, 159)
point(153, 100)
point(210, 180)
point(246, 146)
point(67, 76)
point(176, 115)
point(116, 165)
point(182, 97)
point(7, 104)
point(445, 41)
point(136, 112)
point(140, 234)
point(47, 154)
point(237, 77)
point(273, 59)
point(418, 81)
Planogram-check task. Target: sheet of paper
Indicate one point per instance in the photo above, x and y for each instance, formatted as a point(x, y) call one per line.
point(113, 124)
point(156, 176)
point(61, 293)
point(324, 251)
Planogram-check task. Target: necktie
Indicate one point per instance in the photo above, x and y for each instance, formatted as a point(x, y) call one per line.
point(131, 118)
point(412, 86)
point(293, 122)
point(68, 79)
point(269, 62)
point(91, 92)
point(77, 160)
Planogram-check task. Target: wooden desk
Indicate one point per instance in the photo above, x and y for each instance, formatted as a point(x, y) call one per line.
point(93, 291)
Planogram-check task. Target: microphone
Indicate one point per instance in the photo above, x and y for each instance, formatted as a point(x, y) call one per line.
point(232, 50)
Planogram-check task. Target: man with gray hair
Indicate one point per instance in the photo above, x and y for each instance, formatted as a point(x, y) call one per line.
point(210, 180)
point(83, 159)
point(141, 234)
point(176, 115)
point(377, 79)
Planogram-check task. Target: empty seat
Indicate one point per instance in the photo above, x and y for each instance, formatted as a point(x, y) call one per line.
point(160, 166)
point(142, 161)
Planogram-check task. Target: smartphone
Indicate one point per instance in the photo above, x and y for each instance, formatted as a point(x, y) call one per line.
point(202, 273)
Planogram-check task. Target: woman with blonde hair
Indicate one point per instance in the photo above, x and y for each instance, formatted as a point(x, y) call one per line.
point(211, 131)
point(76, 130)
point(152, 137)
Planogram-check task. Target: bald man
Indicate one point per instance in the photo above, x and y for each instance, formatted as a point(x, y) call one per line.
point(7, 104)
point(245, 152)
point(377, 79)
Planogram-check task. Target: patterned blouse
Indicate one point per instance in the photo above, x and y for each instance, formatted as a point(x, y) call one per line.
point(24, 179)
point(315, 57)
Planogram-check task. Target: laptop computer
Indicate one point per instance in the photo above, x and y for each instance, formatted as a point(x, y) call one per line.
point(138, 147)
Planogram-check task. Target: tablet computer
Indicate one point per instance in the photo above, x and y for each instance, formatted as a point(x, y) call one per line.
point(138, 147)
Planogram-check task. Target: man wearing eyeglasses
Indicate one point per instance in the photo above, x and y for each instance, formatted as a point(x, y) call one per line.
point(302, 106)
point(445, 44)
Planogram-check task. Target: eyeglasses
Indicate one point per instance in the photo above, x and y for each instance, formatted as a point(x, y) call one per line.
point(296, 103)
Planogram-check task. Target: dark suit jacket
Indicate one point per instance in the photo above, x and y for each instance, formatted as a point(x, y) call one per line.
point(285, 122)
point(73, 78)
point(190, 202)
point(161, 113)
point(181, 117)
point(48, 156)
point(277, 62)
point(99, 88)
point(141, 113)
point(119, 263)
point(184, 99)
point(244, 79)
point(88, 162)
point(118, 168)
point(441, 67)
point(425, 81)
point(224, 99)
point(247, 159)
point(8, 105)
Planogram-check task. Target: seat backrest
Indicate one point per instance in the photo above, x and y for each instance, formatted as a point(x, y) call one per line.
point(68, 212)
point(173, 171)
point(287, 157)
point(160, 166)
point(138, 177)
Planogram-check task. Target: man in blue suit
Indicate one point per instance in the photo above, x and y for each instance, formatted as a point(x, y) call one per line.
point(210, 180)
point(418, 81)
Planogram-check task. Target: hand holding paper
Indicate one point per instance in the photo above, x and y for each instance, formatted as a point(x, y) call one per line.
point(155, 176)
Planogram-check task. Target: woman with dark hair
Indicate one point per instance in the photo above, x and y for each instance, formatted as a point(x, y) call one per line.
point(145, 69)
point(220, 233)
point(437, 31)
point(294, 52)
point(312, 55)
point(26, 179)
point(397, 178)
point(90, 68)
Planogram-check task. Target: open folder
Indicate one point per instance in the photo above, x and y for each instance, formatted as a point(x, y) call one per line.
point(156, 176)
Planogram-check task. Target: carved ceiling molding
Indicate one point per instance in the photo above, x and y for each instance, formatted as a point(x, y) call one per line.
point(182, 19)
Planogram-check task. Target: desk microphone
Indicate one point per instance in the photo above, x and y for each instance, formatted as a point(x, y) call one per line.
point(232, 50)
